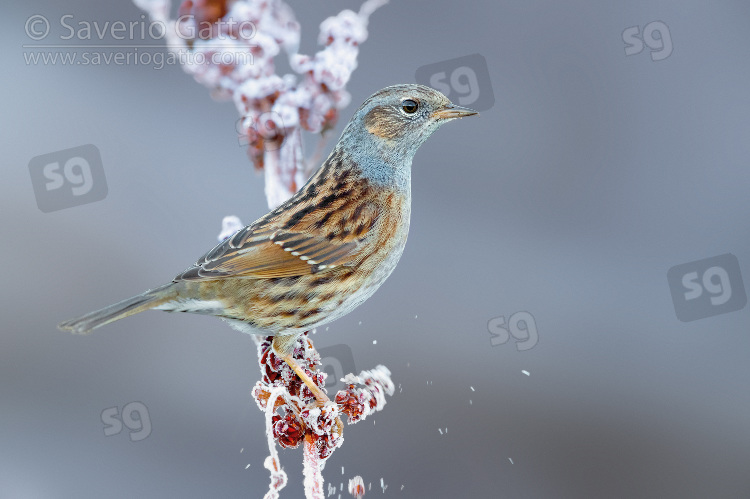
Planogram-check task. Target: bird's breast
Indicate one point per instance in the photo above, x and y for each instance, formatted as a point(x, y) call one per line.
point(383, 249)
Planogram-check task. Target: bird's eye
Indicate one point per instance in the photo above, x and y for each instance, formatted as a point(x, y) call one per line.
point(409, 106)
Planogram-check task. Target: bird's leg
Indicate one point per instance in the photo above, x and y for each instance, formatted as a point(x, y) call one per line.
point(320, 395)
point(283, 346)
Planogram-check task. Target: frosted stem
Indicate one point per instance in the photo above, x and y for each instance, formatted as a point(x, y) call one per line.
point(313, 466)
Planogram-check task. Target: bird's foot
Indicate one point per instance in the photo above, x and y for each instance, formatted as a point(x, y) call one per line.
point(320, 397)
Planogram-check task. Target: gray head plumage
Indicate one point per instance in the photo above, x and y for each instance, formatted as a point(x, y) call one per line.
point(392, 124)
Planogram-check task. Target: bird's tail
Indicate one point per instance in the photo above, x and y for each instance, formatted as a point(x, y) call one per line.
point(144, 301)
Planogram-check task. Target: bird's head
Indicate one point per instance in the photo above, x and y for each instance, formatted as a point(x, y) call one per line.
point(396, 120)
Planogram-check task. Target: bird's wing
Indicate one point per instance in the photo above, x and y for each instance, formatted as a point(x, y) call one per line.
point(267, 250)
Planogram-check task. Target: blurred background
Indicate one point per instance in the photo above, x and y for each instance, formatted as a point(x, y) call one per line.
point(540, 344)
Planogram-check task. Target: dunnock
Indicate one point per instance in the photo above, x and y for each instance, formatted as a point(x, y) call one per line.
point(325, 250)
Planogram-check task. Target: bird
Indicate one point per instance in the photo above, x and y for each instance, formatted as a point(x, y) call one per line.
point(324, 251)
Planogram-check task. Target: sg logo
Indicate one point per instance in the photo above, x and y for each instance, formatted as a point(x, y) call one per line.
point(661, 46)
point(336, 361)
point(465, 81)
point(521, 326)
point(268, 129)
point(707, 287)
point(68, 178)
point(140, 425)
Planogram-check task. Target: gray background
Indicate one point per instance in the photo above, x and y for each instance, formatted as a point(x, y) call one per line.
point(592, 175)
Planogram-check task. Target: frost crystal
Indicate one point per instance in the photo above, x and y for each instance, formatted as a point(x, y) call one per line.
point(229, 225)
point(357, 487)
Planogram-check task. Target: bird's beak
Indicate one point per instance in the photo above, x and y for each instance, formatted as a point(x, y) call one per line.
point(452, 111)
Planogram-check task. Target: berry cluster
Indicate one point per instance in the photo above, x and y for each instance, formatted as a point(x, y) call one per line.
point(296, 416)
